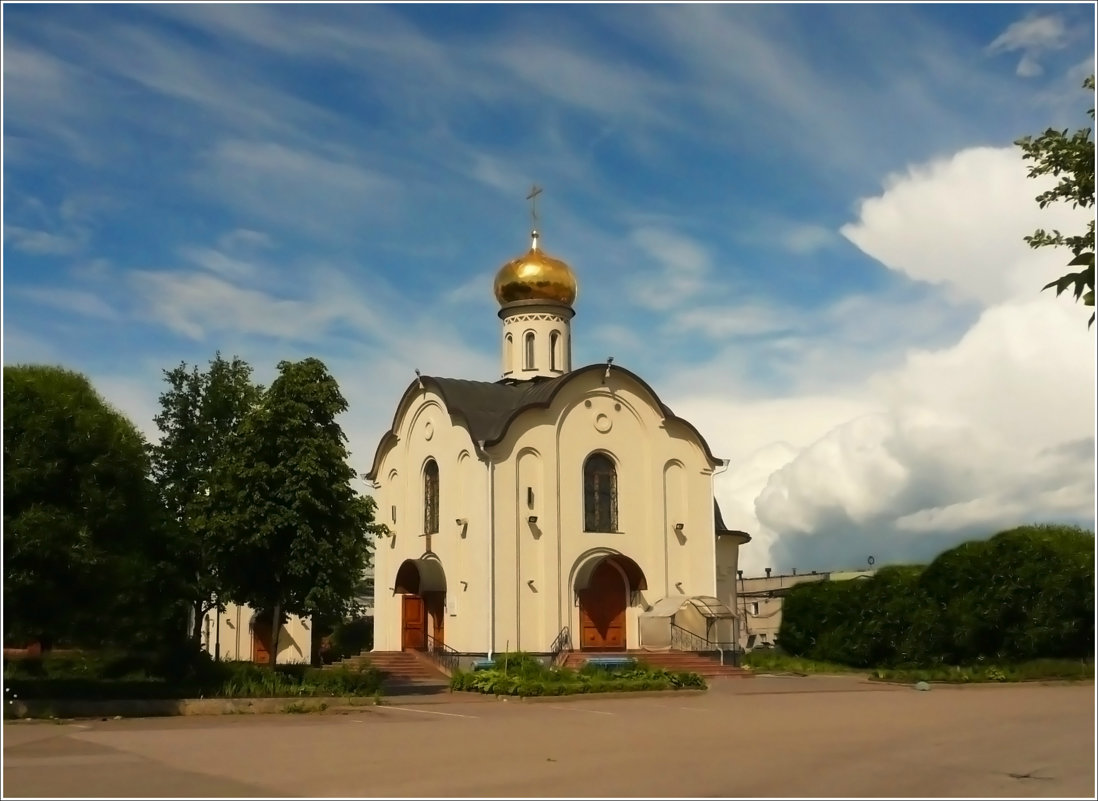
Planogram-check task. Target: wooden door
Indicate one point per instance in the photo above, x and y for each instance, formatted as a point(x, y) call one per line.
point(262, 637)
point(413, 624)
point(602, 611)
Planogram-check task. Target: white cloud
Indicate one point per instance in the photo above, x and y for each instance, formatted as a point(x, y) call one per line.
point(1033, 32)
point(683, 266)
point(722, 322)
point(924, 225)
point(45, 243)
point(74, 301)
point(992, 429)
point(1028, 67)
point(804, 239)
point(22, 347)
point(1033, 36)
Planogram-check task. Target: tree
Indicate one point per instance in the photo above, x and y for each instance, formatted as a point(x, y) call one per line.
point(293, 536)
point(83, 541)
point(1071, 160)
point(199, 413)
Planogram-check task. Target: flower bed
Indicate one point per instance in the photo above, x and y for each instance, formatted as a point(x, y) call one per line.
point(525, 676)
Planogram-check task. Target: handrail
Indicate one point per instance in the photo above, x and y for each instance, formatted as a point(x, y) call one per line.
point(443, 655)
point(562, 644)
point(685, 640)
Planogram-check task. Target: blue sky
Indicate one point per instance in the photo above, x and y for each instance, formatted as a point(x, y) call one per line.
point(727, 181)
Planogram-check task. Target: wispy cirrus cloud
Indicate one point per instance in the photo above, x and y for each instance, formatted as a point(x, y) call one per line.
point(1032, 36)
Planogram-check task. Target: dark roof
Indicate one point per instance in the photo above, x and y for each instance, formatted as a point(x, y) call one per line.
point(720, 526)
point(486, 408)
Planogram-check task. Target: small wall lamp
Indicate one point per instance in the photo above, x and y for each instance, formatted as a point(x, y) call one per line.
point(532, 519)
point(461, 521)
point(678, 586)
point(679, 526)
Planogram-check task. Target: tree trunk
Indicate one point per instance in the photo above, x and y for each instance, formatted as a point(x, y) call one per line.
point(196, 629)
point(276, 626)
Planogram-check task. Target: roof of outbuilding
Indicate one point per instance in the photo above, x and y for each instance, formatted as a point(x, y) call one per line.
point(487, 408)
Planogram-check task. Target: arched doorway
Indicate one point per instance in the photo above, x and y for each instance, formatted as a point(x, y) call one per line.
point(422, 585)
point(262, 637)
point(602, 610)
point(604, 583)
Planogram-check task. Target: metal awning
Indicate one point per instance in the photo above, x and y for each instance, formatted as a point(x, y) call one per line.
point(632, 570)
point(417, 576)
point(711, 608)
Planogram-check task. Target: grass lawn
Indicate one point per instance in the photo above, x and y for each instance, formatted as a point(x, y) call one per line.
point(770, 661)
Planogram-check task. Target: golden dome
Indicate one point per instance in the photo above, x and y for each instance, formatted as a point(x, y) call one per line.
point(536, 276)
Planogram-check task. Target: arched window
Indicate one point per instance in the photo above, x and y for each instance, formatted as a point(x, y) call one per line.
point(554, 350)
point(600, 494)
point(508, 352)
point(529, 341)
point(430, 497)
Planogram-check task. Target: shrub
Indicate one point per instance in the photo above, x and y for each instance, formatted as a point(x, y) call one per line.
point(349, 638)
point(107, 676)
point(1024, 594)
point(528, 676)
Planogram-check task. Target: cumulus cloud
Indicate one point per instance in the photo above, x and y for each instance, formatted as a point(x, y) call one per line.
point(924, 225)
point(991, 430)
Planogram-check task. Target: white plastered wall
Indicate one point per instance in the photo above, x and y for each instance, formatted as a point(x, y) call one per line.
point(621, 419)
point(542, 321)
point(425, 431)
point(295, 642)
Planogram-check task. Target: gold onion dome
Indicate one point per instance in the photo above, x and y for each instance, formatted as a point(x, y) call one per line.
point(536, 276)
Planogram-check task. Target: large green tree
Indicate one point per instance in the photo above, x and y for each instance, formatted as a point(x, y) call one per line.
point(1070, 159)
point(200, 411)
point(293, 535)
point(85, 560)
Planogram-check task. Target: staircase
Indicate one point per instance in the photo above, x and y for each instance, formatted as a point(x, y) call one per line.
point(406, 672)
point(704, 664)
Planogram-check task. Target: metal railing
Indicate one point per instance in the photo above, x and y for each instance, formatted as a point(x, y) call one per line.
point(443, 655)
point(684, 640)
point(561, 645)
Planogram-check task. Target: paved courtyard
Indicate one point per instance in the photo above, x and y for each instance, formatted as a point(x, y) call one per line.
point(762, 737)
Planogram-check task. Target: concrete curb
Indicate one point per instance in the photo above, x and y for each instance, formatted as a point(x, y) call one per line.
point(155, 708)
point(533, 699)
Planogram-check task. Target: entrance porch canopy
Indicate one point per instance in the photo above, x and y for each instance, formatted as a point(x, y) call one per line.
point(696, 614)
point(417, 576)
point(633, 573)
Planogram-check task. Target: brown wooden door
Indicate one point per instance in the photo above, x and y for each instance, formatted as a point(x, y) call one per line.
point(602, 611)
point(413, 624)
point(262, 637)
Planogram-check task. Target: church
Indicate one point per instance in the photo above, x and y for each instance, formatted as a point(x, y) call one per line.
point(557, 508)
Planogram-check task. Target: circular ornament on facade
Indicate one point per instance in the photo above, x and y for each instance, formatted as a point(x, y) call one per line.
point(428, 431)
point(602, 423)
point(587, 404)
point(617, 407)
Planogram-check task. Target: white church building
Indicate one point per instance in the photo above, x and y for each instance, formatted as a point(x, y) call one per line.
point(557, 507)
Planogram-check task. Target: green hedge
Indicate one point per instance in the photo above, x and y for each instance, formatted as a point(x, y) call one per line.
point(1026, 593)
point(524, 675)
point(116, 676)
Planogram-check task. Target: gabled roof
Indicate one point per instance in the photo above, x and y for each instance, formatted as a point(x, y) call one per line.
point(487, 408)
